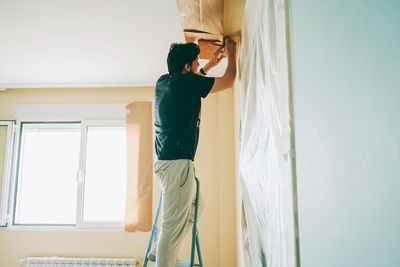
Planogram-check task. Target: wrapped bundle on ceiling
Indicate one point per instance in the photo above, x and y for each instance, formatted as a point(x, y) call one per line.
point(202, 21)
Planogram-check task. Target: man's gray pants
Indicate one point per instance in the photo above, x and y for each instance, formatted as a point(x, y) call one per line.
point(176, 178)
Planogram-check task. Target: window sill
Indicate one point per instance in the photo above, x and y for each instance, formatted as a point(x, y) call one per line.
point(64, 228)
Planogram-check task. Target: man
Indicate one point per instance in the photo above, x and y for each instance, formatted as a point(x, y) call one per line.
point(177, 120)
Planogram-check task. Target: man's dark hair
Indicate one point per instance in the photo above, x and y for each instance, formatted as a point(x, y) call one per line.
point(181, 54)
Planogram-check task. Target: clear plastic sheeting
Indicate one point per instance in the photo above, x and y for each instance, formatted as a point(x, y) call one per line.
point(264, 161)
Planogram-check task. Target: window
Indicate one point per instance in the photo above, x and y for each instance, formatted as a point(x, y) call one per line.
point(6, 138)
point(104, 163)
point(70, 174)
point(46, 169)
point(102, 176)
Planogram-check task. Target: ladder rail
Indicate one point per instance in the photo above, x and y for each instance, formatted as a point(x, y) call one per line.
point(194, 230)
point(198, 252)
point(154, 231)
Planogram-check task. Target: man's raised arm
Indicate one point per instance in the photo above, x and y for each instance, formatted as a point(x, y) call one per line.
point(227, 80)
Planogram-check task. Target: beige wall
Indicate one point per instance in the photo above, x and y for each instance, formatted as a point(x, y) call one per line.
point(3, 140)
point(233, 18)
point(214, 166)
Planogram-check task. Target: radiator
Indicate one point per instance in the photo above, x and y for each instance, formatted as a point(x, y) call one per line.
point(76, 262)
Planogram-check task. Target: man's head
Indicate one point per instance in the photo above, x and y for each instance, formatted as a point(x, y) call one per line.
point(183, 58)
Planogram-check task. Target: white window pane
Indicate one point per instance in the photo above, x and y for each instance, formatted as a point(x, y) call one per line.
point(47, 174)
point(105, 174)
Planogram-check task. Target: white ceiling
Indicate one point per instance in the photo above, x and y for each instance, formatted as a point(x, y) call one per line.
point(69, 43)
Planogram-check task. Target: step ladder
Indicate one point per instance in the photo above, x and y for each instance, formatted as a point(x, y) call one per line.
point(195, 236)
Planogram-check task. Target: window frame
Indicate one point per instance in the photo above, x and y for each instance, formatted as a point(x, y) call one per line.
point(6, 181)
point(79, 225)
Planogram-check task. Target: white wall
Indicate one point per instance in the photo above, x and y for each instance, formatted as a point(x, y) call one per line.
point(91, 43)
point(346, 95)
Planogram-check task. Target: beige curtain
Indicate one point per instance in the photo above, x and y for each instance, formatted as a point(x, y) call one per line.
point(138, 211)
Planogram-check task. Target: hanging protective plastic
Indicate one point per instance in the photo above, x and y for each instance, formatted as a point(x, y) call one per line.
point(264, 161)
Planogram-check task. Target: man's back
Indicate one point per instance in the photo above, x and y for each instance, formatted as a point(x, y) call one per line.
point(176, 113)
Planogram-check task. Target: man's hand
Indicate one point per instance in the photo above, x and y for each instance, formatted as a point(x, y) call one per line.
point(215, 59)
point(228, 79)
point(230, 47)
